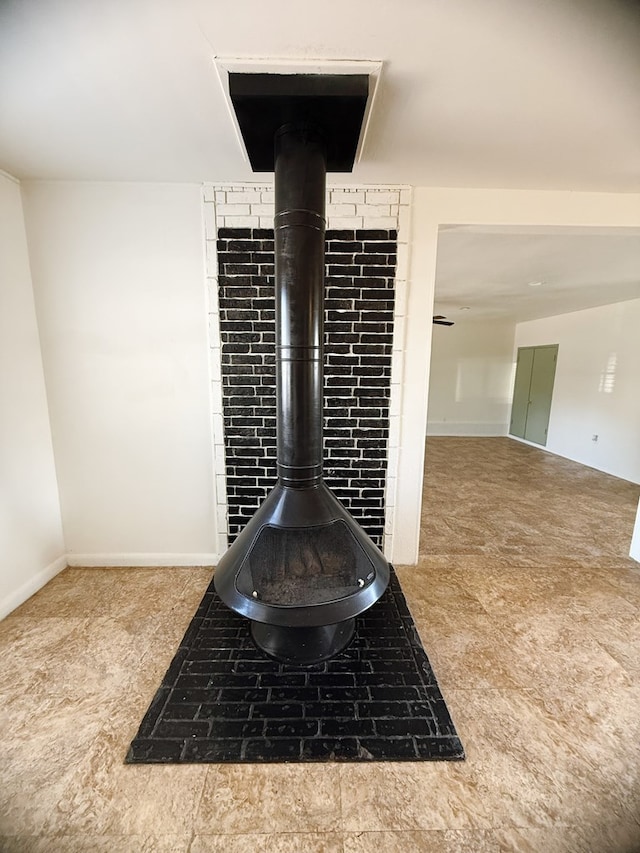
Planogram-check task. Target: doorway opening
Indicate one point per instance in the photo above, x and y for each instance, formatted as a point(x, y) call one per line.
point(509, 289)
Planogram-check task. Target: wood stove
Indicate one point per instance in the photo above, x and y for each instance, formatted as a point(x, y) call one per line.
point(302, 569)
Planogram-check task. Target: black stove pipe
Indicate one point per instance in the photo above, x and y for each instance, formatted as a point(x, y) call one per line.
point(313, 626)
point(299, 225)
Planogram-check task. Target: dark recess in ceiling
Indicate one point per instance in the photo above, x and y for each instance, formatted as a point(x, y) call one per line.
point(333, 103)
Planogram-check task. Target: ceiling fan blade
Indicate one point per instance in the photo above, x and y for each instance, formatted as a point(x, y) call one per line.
point(442, 322)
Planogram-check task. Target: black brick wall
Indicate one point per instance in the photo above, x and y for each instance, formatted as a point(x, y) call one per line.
point(359, 299)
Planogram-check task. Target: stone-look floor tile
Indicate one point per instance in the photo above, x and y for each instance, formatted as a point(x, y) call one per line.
point(528, 605)
point(463, 642)
point(171, 613)
point(446, 563)
point(399, 796)
point(108, 797)
point(80, 593)
point(625, 650)
point(415, 841)
point(170, 800)
point(506, 590)
point(603, 727)
point(122, 716)
point(31, 722)
point(197, 580)
point(432, 588)
point(626, 581)
point(522, 502)
point(38, 759)
point(559, 655)
point(96, 657)
point(530, 767)
point(270, 798)
point(467, 649)
point(72, 658)
point(156, 631)
point(29, 644)
point(596, 837)
point(121, 800)
point(294, 842)
point(96, 844)
point(100, 796)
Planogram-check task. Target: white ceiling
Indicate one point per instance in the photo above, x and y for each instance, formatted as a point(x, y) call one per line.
point(488, 271)
point(498, 93)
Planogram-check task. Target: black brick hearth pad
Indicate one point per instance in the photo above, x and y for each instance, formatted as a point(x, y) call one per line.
point(223, 700)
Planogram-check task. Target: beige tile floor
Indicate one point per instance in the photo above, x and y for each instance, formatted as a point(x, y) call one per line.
point(529, 609)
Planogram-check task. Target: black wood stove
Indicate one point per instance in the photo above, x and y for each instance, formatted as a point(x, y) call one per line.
point(302, 569)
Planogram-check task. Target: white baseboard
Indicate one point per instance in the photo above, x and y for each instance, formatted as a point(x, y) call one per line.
point(37, 581)
point(533, 444)
point(463, 428)
point(634, 551)
point(141, 560)
point(31, 586)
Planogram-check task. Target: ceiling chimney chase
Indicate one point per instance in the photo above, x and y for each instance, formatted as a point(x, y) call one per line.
point(302, 569)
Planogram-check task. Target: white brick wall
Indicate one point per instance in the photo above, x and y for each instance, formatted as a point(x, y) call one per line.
point(215, 365)
point(251, 206)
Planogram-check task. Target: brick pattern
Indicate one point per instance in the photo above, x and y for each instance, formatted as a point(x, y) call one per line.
point(359, 317)
point(250, 206)
point(247, 332)
point(222, 700)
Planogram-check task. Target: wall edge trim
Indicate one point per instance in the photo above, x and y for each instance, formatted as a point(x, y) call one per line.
point(468, 429)
point(634, 549)
point(141, 560)
point(24, 592)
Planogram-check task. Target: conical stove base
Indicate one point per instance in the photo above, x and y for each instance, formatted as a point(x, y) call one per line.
point(303, 646)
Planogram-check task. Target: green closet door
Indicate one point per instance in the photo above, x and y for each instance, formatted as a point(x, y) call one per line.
point(520, 404)
point(533, 392)
point(540, 393)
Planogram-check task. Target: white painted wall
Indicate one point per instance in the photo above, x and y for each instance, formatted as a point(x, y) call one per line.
point(471, 378)
point(597, 386)
point(31, 541)
point(118, 274)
